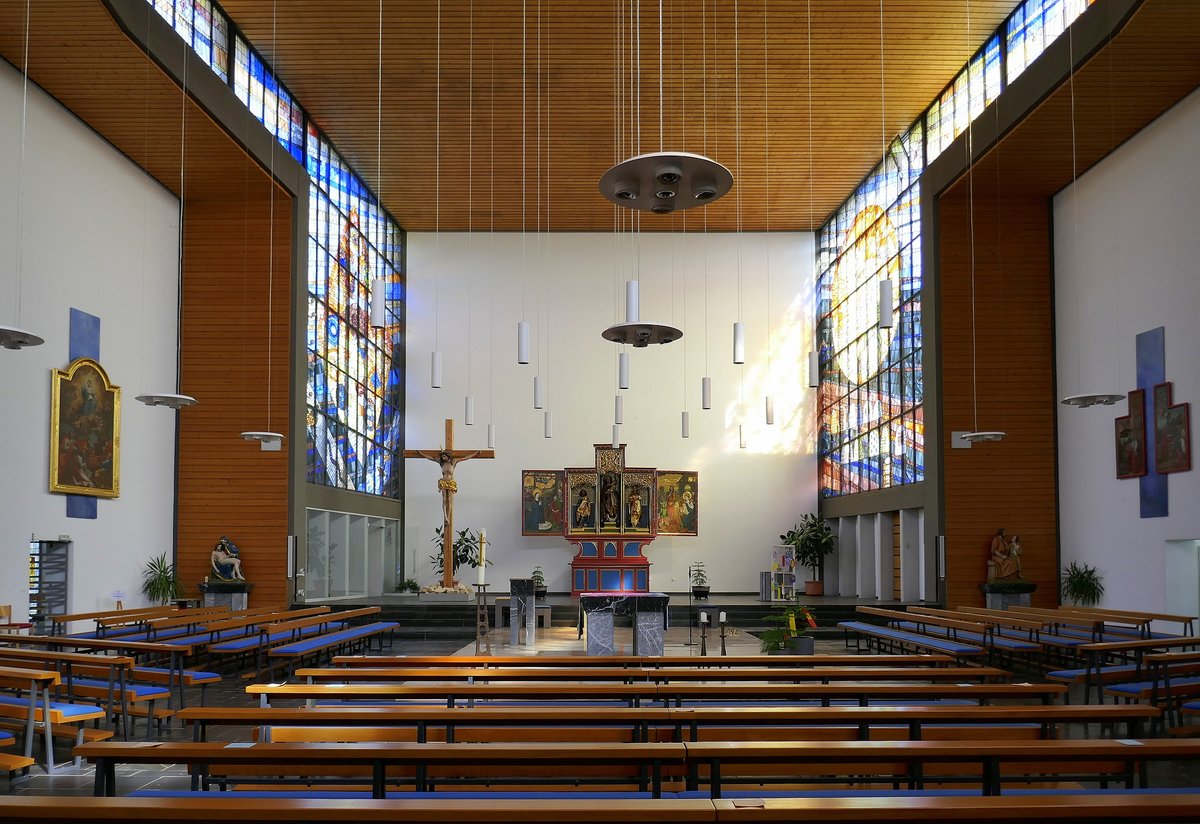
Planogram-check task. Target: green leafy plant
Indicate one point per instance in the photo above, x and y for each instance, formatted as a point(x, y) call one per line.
point(813, 540)
point(1082, 584)
point(159, 581)
point(407, 585)
point(465, 551)
point(788, 622)
point(698, 575)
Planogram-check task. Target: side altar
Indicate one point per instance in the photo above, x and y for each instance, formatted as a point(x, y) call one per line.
point(609, 513)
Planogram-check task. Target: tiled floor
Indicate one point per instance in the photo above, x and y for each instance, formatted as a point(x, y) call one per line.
point(70, 780)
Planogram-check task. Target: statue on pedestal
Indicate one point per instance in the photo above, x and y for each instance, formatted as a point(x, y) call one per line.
point(226, 563)
point(1004, 559)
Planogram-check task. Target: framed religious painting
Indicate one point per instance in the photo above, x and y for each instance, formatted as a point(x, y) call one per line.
point(1131, 437)
point(637, 502)
point(1172, 432)
point(583, 498)
point(678, 496)
point(85, 431)
point(542, 501)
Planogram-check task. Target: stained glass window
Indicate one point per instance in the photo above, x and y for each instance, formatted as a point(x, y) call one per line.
point(871, 393)
point(203, 26)
point(1034, 25)
point(976, 86)
point(267, 99)
point(355, 384)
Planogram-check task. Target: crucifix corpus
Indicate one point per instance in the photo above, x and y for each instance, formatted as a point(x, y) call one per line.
point(447, 458)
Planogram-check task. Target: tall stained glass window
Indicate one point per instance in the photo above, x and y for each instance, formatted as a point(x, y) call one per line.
point(355, 388)
point(871, 424)
point(1033, 26)
point(355, 384)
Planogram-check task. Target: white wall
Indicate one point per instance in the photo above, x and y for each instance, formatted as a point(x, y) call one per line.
point(100, 236)
point(1134, 268)
point(746, 497)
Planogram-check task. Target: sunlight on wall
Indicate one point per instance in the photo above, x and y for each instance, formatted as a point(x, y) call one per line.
point(784, 380)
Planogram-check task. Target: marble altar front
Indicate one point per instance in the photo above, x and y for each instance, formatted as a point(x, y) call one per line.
point(597, 612)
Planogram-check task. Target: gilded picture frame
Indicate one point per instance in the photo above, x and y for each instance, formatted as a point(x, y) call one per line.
point(85, 431)
point(678, 503)
point(542, 501)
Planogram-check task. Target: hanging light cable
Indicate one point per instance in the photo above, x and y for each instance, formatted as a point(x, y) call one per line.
point(814, 356)
point(14, 337)
point(768, 401)
point(435, 357)
point(469, 400)
point(378, 308)
point(170, 400)
point(491, 427)
point(739, 328)
point(268, 440)
point(706, 379)
point(523, 325)
point(975, 435)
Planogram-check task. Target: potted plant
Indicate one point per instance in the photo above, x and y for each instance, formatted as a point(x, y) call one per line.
point(699, 579)
point(159, 581)
point(789, 633)
point(812, 540)
point(539, 584)
point(465, 551)
point(407, 587)
point(1082, 584)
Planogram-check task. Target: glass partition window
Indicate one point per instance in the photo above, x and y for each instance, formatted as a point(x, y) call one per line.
point(350, 556)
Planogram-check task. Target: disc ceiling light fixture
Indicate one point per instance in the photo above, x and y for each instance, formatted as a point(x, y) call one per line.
point(662, 182)
point(659, 182)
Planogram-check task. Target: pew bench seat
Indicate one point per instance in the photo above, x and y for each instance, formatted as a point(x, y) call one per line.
point(914, 640)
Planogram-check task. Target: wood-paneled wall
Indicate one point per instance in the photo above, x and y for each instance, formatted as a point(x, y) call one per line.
point(1007, 386)
point(227, 485)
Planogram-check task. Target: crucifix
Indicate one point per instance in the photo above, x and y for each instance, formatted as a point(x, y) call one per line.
point(448, 457)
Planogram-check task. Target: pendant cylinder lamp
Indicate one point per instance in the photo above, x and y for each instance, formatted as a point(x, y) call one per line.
point(623, 370)
point(469, 411)
point(616, 441)
point(770, 410)
point(619, 410)
point(632, 312)
point(741, 437)
point(537, 392)
point(739, 342)
point(885, 304)
point(435, 370)
point(379, 303)
point(523, 342)
point(706, 393)
point(491, 440)
point(814, 369)
point(686, 427)
point(549, 425)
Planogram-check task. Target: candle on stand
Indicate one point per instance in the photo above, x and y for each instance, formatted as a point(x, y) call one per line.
point(482, 555)
point(704, 617)
point(721, 618)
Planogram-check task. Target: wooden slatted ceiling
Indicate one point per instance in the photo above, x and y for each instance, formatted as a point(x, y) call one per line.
point(327, 54)
point(226, 486)
point(1149, 67)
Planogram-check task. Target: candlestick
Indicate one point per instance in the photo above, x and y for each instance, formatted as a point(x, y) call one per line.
point(482, 555)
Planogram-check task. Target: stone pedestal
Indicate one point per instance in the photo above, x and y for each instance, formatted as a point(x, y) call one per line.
point(1005, 594)
point(600, 634)
point(648, 633)
point(234, 594)
point(523, 610)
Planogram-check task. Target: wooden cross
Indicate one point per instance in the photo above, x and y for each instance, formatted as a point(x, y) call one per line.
point(448, 457)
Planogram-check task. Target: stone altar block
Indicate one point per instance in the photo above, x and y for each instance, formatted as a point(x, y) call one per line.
point(1005, 594)
point(649, 612)
point(523, 610)
point(234, 594)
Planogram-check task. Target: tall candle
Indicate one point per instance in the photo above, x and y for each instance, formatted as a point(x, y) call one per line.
point(721, 618)
point(704, 617)
point(482, 555)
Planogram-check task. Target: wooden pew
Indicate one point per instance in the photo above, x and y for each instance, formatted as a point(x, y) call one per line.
point(642, 661)
point(228, 807)
point(325, 642)
point(630, 675)
point(643, 724)
point(910, 762)
point(634, 694)
point(35, 685)
point(59, 622)
point(113, 695)
point(305, 759)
